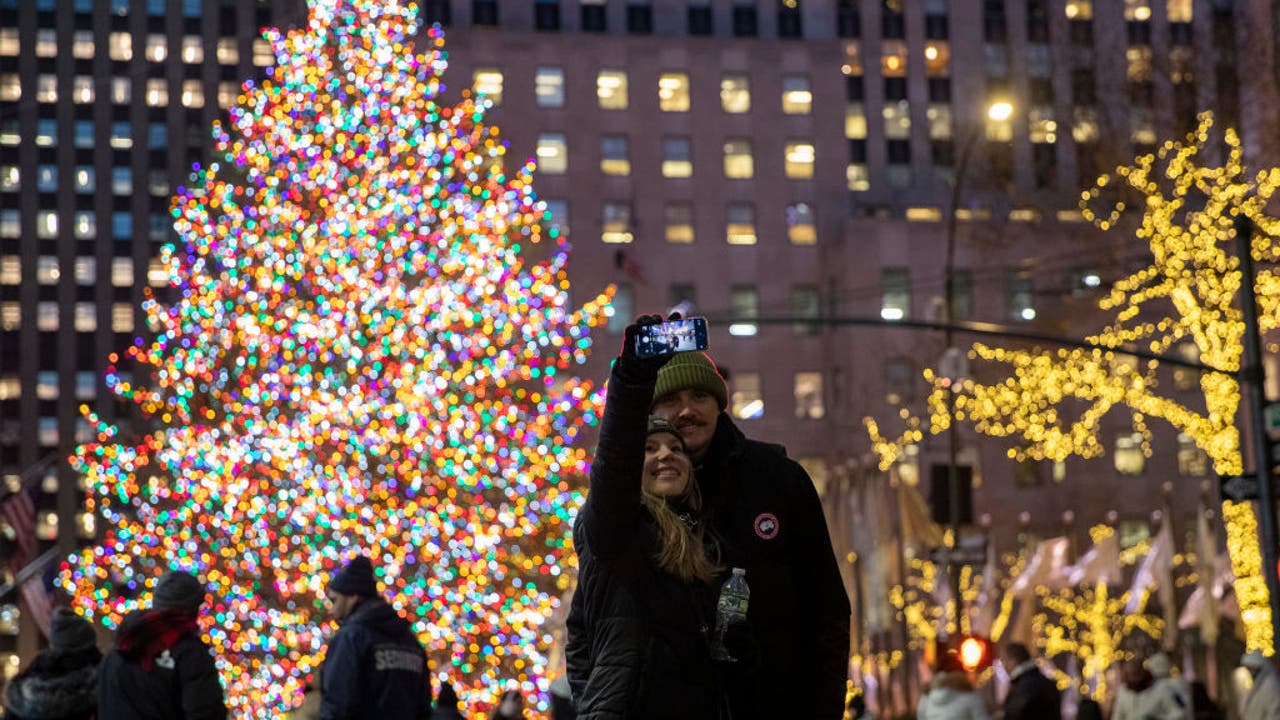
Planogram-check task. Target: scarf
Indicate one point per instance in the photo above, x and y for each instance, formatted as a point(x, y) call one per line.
point(155, 632)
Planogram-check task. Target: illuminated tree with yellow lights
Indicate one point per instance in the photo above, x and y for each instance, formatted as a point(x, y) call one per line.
point(1053, 401)
point(363, 354)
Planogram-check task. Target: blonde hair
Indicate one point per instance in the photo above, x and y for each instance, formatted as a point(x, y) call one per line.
point(683, 550)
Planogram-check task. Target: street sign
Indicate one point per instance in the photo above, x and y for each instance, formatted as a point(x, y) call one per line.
point(1272, 413)
point(958, 555)
point(1238, 488)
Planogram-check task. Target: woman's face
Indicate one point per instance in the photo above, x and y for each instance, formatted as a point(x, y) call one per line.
point(666, 466)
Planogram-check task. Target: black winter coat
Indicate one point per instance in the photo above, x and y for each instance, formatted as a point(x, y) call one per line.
point(765, 512)
point(56, 686)
point(375, 668)
point(637, 645)
point(1032, 696)
point(182, 686)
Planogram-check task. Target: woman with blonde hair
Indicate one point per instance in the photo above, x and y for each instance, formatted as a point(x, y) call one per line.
point(647, 580)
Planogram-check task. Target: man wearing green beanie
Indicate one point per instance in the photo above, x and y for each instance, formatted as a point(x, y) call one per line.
point(763, 508)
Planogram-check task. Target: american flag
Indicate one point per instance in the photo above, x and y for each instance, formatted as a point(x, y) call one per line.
point(20, 512)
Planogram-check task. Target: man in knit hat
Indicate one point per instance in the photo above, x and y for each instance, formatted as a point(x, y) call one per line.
point(62, 681)
point(763, 508)
point(374, 667)
point(160, 666)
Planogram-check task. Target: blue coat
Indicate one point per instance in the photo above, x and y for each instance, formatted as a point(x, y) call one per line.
point(375, 667)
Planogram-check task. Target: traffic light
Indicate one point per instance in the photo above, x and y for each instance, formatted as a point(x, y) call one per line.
point(975, 653)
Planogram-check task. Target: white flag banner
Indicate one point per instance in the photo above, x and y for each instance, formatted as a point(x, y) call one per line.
point(1046, 567)
point(1156, 568)
point(1100, 565)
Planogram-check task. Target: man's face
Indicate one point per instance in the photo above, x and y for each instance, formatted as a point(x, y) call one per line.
point(694, 412)
point(340, 606)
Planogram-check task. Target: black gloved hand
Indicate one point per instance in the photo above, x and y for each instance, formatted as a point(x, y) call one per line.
point(633, 366)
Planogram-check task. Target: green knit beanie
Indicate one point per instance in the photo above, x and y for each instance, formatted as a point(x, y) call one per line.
point(692, 370)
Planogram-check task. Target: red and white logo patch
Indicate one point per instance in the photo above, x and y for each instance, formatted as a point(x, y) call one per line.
point(767, 526)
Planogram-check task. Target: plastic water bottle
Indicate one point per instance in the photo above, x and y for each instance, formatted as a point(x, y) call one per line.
point(730, 608)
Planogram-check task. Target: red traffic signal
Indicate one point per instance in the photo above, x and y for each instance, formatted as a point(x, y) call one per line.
point(975, 653)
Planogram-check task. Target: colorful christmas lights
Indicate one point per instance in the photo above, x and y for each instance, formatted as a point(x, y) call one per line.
point(359, 355)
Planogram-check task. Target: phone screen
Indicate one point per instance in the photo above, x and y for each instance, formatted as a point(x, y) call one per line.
point(672, 337)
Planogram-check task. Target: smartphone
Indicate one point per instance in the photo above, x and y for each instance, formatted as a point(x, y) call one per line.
point(672, 337)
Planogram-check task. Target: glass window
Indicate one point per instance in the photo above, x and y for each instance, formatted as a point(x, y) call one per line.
point(1191, 459)
point(616, 222)
point(855, 121)
point(46, 224)
point(192, 93)
point(939, 116)
point(9, 43)
point(746, 401)
point(157, 135)
point(677, 158)
point(159, 227)
point(799, 160)
point(120, 46)
point(1085, 126)
point(893, 58)
point(488, 83)
point(1019, 297)
point(937, 58)
point(805, 304)
point(10, 86)
point(228, 93)
point(1188, 378)
point(47, 88)
point(86, 180)
point(85, 317)
point(740, 226)
point(155, 7)
point(678, 220)
point(1129, 458)
point(47, 436)
point(1179, 11)
point(895, 293)
point(558, 222)
point(83, 130)
point(738, 163)
point(1039, 60)
point(157, 92)
point(808, 394)
point(47, 316)
point(47, 178)
point(673, 92)
point(121, 317)
point(157, 48)
point(82, 90)
point(10, 178)
point(121, 180)
point(897, 120)
point(192, 8)
point(611, 89)
point(797, 98)
point(801, 226)
point(1139, 10)
point(157, 273)
point(1142, 125)
point(122, 272)
point(549, 87)
point(10, 316)
point(735, 93)
point(228, 53)
point(1043, 128)
point(10, 270)
point(122, 225)
point(121, 135)
point(623, 310)
point(9, 131)
point(47, 385)
point(1079, 9)
point(192, 49)
point(553, 154)
point(10, 223)
point(86, 270)
point(899, 381)
point(47, 271)
point(263, 54)
point(82, 45)
point(1139, 63)
point(46, 43)
point(46, 132)
point(744, 305)
point(85, 225)
point(120, 90)
point(614, 157)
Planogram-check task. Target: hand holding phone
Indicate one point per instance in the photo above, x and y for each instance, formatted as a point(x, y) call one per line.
point(673, 336)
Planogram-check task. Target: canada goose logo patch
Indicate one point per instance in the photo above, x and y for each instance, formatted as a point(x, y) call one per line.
point(766, 526)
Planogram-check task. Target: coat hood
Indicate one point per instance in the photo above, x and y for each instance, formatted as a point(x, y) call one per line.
point(378, 615)
point(70, 694)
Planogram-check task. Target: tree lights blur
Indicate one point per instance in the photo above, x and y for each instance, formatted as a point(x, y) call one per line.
point(1054, 400)
point(358, 357)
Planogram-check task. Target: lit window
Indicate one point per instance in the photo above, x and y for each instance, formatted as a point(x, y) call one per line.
point(82, 45)
point(263, 55)
point(85, 225)
point(9, 43)
point(157, 92)
point(10, 178)
point(746, 402)
point(228, 93)
point(121, 135)
point(937, 58)
point(10, 387)
point(192, 49)
point(120, 90)
point(122, 225)
point(228, 53)
point(808, 394)
point(1142, 125)
point(10, 316)
point(1079, 9)
point(1182, 64)
point(86, 317)
point(9, 131)
point(1019, 297)
point(47, 385)
point(553, 154)
point(157, 48)
point(47, 521)
point(799, 160)
point(677, 159)
point(549, 87)
point(1129, 459)
point(1191, 459)
point(488, 83)
point(738, 163)
point(47, 271)
point(1085, 127)
point(122, 272)
point(797, 98)
point(740, 225)
point(616, 223)
point(893, 58)
point(611, 89)
point(86, 385)
point(121, 317)
point(47, 436)
point(801, 228)
point(47, 316)
point(1139, 57)
point(939, 116)
point(855, 121)
point(47, 88)
point(1137, 10)
point(744, 308)
point(120, 46)
point(86, 270)
point(121, 180)
point(805, 304)
point(159, 226)
point(10, 270)
point(673, 92)
point(852, 58)
point(614, 158)
point(897, 120)
point(895, 293)
point(1043, 128)
point(46, 43)
point(192, 93)
point(678, 220)
point(10, 223)
point(858, 177)
point(10, 86)
point(1179, 11)
point(735, 93)
point(1188, 378)
point(47, 178)
point(556, 218)
point(157, 273)
point(88, 525)
point(86, 180)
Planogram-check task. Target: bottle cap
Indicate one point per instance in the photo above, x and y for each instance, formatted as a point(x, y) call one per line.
point(739, 571)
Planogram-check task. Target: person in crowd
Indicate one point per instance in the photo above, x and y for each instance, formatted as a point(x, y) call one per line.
point(447, 707)
point(510, 707)
point(1203, 706)
point(1263, 700)
point(374, 667)
point(637, 627)
point(310, 707)
point(160, 667)
point(562, 699)
point(1171, 694)
point(950, 695)
point(1032, 696)
point(1134, 699)
point(61, 683)
point(767, 518)
point(1088, 708)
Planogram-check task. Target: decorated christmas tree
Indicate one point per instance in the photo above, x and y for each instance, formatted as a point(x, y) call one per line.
point(363, 353)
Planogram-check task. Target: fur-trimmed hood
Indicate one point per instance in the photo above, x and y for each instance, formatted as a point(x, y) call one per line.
point(64, 688)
